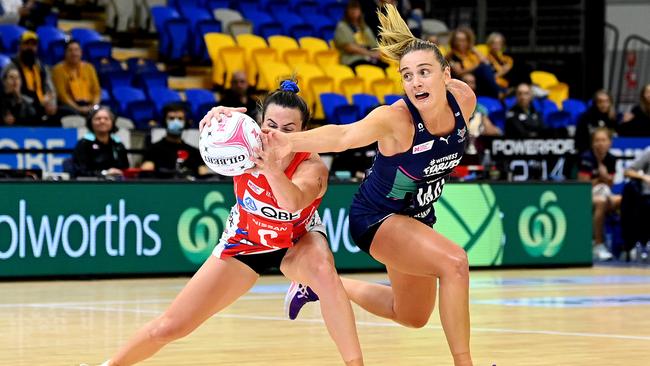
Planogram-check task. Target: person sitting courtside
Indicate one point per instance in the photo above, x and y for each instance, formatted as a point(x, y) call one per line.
point(171, 156)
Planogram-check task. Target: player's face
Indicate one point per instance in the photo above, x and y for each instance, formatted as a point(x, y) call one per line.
point(423, 79)
point(282, 118)
point(601, 142)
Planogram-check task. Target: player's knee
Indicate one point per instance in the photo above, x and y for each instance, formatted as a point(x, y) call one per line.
point(166, 329)
point(414, 321)
point(323, 273)
point(457, 263)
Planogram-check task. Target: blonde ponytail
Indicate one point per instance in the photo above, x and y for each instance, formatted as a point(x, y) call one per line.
point(396, 39)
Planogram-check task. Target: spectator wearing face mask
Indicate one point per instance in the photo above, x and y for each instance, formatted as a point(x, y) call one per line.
point(172, 157)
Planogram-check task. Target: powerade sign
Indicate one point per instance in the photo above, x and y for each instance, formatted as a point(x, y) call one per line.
point(76, 228)
point(12, 138)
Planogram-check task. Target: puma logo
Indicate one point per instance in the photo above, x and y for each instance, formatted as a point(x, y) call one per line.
point(445, 139)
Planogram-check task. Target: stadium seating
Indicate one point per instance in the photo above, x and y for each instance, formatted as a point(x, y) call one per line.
point(161, 96)
point(263, 56)
point(4, 60)
point(200, 101)
point(296, 56)
point(339, 73)
point(51, 44)
point(250, 43)
point(273, 72)
point(282, 44)
point(575, 107)
point(391, 98)
point(352, 86)
point(306, 72)
point(337, 110)
point(382, 87)
point(317, 86)
point(369, 73)
point(10, 38)
point(558, 119)
point(214, 43)
point(365, 102)
point(233, 59)
point(313, 45)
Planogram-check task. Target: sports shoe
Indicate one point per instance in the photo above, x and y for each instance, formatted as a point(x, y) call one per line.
point(297, 296)
point(601, 253)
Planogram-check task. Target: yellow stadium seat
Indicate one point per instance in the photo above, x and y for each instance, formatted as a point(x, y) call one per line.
point(251, 42)
point(326, 58)
point(558, 93)
point(313, 45)
point(282, 44)
point(274, 72)
point(296, 57)
point(381, 87)
point(263, 56)
point(370, 73)
point(444, 49)
point(351, 86)
point(305, 73)
point(482, 49)
point(339, 73)
point(318, 86)
point(543, 79)
point(214, 43)
point(233, 59)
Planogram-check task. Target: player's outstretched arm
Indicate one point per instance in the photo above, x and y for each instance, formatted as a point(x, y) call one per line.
point(336, 138)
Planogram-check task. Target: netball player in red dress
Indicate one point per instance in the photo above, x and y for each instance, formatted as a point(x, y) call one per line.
point(273, 224)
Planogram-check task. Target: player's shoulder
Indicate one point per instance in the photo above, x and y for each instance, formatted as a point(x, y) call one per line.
point(392, 115)
point(464, 96)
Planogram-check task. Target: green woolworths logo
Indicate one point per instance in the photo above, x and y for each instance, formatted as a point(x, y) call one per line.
point(542, 229)
point(198, 230)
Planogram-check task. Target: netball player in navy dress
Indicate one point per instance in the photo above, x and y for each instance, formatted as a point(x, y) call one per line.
point(421, 139)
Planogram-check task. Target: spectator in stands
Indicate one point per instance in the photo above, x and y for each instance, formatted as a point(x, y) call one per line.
point(501, 63)
point(76, 82)
point(240, 95)
point(171, 156)
point(635, 208)
point(637, 122)
point(354, 39)
point(598, 166)
point(100, 152)
point(522, 120)
point(600, 114)
point(16, 109)
point(465, 59)
point(35, 77)
point(479, 123)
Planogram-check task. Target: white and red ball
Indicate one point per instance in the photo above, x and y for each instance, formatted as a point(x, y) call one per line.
point(226, 146)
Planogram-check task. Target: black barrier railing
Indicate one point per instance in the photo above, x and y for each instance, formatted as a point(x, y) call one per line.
point(611, 33)
point(634, 70)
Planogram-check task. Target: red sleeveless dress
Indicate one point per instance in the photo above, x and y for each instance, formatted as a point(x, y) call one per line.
point(256, 224)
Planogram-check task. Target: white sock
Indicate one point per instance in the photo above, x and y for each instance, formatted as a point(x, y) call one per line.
point(106, 363)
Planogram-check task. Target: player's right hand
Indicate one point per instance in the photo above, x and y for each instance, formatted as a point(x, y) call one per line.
point(218, 113)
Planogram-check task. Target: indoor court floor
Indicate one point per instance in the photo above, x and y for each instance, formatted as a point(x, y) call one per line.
point(588, 316)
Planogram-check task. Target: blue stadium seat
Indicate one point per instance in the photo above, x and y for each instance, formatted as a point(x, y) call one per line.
point(85, 35)
point(575, 107)
point(544, 107)
point(245, 6)
point(318, 21)
point(217, 4)
point(203, 27)
point(327, 32)
point(161, 14)
point(10, 38)
point(194, 15)
point(510, 102)
point(498, 118)
point(97, 50)
point(280, 6)
point(289, 22)
point(346, 114)
point(558, 119)
point(161, 97)
point(392, 98)
point(337, 110)
point(177, 31)
point(137, 65)
point(261, 21)
point(304, 8)
point(133, 104)
point(51, 44)
point(335, 10)
point(115, 79)
point(491, 104)
point(270, 29)
point(4, 61)
point(150, 79)
point(365, 102)
point(200, 102)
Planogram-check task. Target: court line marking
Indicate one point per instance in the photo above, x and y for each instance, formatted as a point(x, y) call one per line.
point(373, 324)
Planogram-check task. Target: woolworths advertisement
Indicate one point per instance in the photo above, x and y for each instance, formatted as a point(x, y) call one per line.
point(84, 228)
